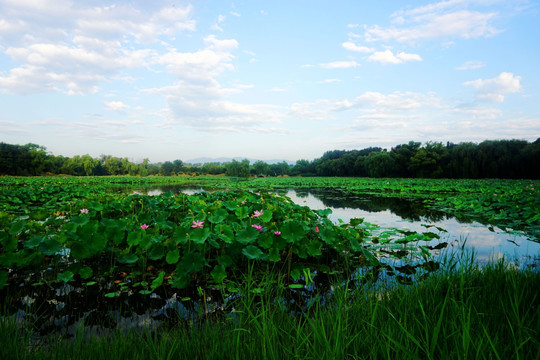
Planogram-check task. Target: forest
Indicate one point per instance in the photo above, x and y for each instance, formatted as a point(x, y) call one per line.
point(503, 159)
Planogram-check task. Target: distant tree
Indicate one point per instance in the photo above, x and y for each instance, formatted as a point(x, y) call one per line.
point(167, 168)
point(380, 164)
point(260, 168)
point(281, 168)
point(238, 169)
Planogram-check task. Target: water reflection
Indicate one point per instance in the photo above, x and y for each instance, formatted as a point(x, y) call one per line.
point(411, 215)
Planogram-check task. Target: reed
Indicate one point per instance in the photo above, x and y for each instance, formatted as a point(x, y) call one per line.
point(462, 311)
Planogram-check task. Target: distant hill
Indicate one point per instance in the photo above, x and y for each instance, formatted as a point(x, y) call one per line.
point(204, 160)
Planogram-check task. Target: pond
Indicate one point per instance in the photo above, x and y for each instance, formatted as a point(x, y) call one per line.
point(488, 243)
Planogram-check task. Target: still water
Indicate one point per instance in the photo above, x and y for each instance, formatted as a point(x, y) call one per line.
point(488, 243)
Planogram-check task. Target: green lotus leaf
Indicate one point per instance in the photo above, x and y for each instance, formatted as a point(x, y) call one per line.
point(156, 252)
point(314, 248)
point(218, 216)
point(86, 272)
point(219, 274)
point(17, 227)
point(34, 241)
point(226, 233)
point(253, 253)
point(324, 212)
point(9, 243)
point(172, 257)
point(134, 238)
point(128, 258)
point(247, 235)
point(80, 220)
point(191, 263)
point(329, 235)
point(39, 215)
point(242, 212)
point(274, 255)
point(158, 280)
point(50, 246)
point(292, 230)
point(65, 276)
point(266, 216)
point(225, 260)
point(199, 235)
point(180, 235)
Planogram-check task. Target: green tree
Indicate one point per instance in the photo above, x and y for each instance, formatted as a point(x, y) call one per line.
point(238, 168)
point(380, 164)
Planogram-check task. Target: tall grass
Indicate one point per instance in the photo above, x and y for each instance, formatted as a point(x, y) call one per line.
point(461, 312)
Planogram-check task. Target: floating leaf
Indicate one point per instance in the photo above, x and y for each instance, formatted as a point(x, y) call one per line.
point(324, 212)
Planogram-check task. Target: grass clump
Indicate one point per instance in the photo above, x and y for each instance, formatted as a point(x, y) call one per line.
point(490, 312)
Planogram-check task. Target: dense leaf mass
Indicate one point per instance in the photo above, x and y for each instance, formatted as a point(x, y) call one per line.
point(503, 159)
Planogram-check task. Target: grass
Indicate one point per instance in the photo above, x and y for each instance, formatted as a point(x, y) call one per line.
point(460, 312)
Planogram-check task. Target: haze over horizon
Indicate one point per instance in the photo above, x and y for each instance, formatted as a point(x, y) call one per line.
point(169, 80)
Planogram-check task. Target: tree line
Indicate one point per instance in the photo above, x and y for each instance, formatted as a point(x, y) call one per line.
point(489, 159)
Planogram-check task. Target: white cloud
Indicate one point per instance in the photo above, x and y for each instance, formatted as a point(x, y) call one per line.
point(220, 19)
point(66, 47)
point(471, 65)
point(387, 57)
point(440, 20)
point(339, 64)
point(494, 89)
point(116, 105)
point(349, 45)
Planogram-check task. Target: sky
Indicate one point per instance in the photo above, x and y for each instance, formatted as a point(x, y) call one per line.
point(265, 80)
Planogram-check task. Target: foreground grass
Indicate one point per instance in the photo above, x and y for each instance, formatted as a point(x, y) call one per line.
point(491, 312)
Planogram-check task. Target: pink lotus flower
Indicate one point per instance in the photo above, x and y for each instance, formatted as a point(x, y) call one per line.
point(258, 227)
point(316, 229)
point(257, 213)
point(144, 226)
point(277, 233)
point(84, 211)
point(197, 224)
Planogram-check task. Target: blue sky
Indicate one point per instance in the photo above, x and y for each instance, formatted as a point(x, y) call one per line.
point(290, 80)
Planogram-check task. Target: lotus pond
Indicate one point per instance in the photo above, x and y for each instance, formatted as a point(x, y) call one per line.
point(92, 249)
